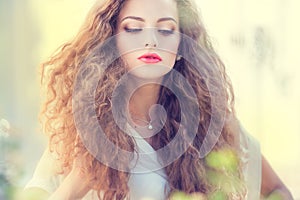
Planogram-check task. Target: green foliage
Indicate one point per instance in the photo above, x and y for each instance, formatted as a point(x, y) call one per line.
point(275, 196)
point(229, 183)
point(179, 196)
point(218, 195)
point(222, 173)
point(7, 190)
point(225, 159)
point(183, 196)
point(30, 194)
point(10, 160)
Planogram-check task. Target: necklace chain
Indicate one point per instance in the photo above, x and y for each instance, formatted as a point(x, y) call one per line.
point(149, 123)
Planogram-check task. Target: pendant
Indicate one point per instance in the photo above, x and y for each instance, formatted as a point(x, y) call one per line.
point(150, 127)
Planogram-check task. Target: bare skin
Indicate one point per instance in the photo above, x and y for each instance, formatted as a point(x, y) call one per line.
point(76, 185)
point(271, 182)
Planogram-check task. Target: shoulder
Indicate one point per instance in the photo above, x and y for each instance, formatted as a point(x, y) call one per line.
point(46, 175)
point(251, 160)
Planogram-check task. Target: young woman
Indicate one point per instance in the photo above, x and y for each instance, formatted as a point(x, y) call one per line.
point(139, 107)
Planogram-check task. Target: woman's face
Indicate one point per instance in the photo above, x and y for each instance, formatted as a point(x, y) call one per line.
point(147, 37)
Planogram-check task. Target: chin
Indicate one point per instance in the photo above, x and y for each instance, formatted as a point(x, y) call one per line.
point(150, 72)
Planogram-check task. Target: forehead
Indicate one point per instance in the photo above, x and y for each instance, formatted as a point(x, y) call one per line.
point(149, 9)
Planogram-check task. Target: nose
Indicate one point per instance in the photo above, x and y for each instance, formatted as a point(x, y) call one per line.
point(151, 38)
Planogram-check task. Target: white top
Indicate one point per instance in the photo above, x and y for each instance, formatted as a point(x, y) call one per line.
point(151, 185)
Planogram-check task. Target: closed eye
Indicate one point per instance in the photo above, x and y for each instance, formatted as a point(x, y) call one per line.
point(132, 30)
point(166, 31)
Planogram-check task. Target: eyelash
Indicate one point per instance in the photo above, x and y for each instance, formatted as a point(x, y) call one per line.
point(132, 30)
point(166, 31)
point(162, 31)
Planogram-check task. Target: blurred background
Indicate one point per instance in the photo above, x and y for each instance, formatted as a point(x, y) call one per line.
point(257, 39)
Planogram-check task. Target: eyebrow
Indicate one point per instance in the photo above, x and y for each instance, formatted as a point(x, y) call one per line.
point(167, 19)
point(142, 20)
point(133, 17)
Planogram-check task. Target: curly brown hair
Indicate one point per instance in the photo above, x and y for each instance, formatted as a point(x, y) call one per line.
point(187, 173)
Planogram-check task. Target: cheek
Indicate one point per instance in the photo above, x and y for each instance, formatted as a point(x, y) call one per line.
point(170, 60)
point(122, 45)
point(129, 60)
point(171, 52)
point(129, 50)
point(131, 42)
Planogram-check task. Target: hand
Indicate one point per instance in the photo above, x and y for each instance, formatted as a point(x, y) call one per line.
point(75, 185)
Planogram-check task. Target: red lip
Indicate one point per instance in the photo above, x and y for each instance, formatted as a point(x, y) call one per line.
point(150, 58)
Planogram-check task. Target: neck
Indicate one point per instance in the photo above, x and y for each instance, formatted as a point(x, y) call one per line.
point(143, 98)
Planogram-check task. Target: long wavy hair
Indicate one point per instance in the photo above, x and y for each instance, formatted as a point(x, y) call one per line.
point(188, 172)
